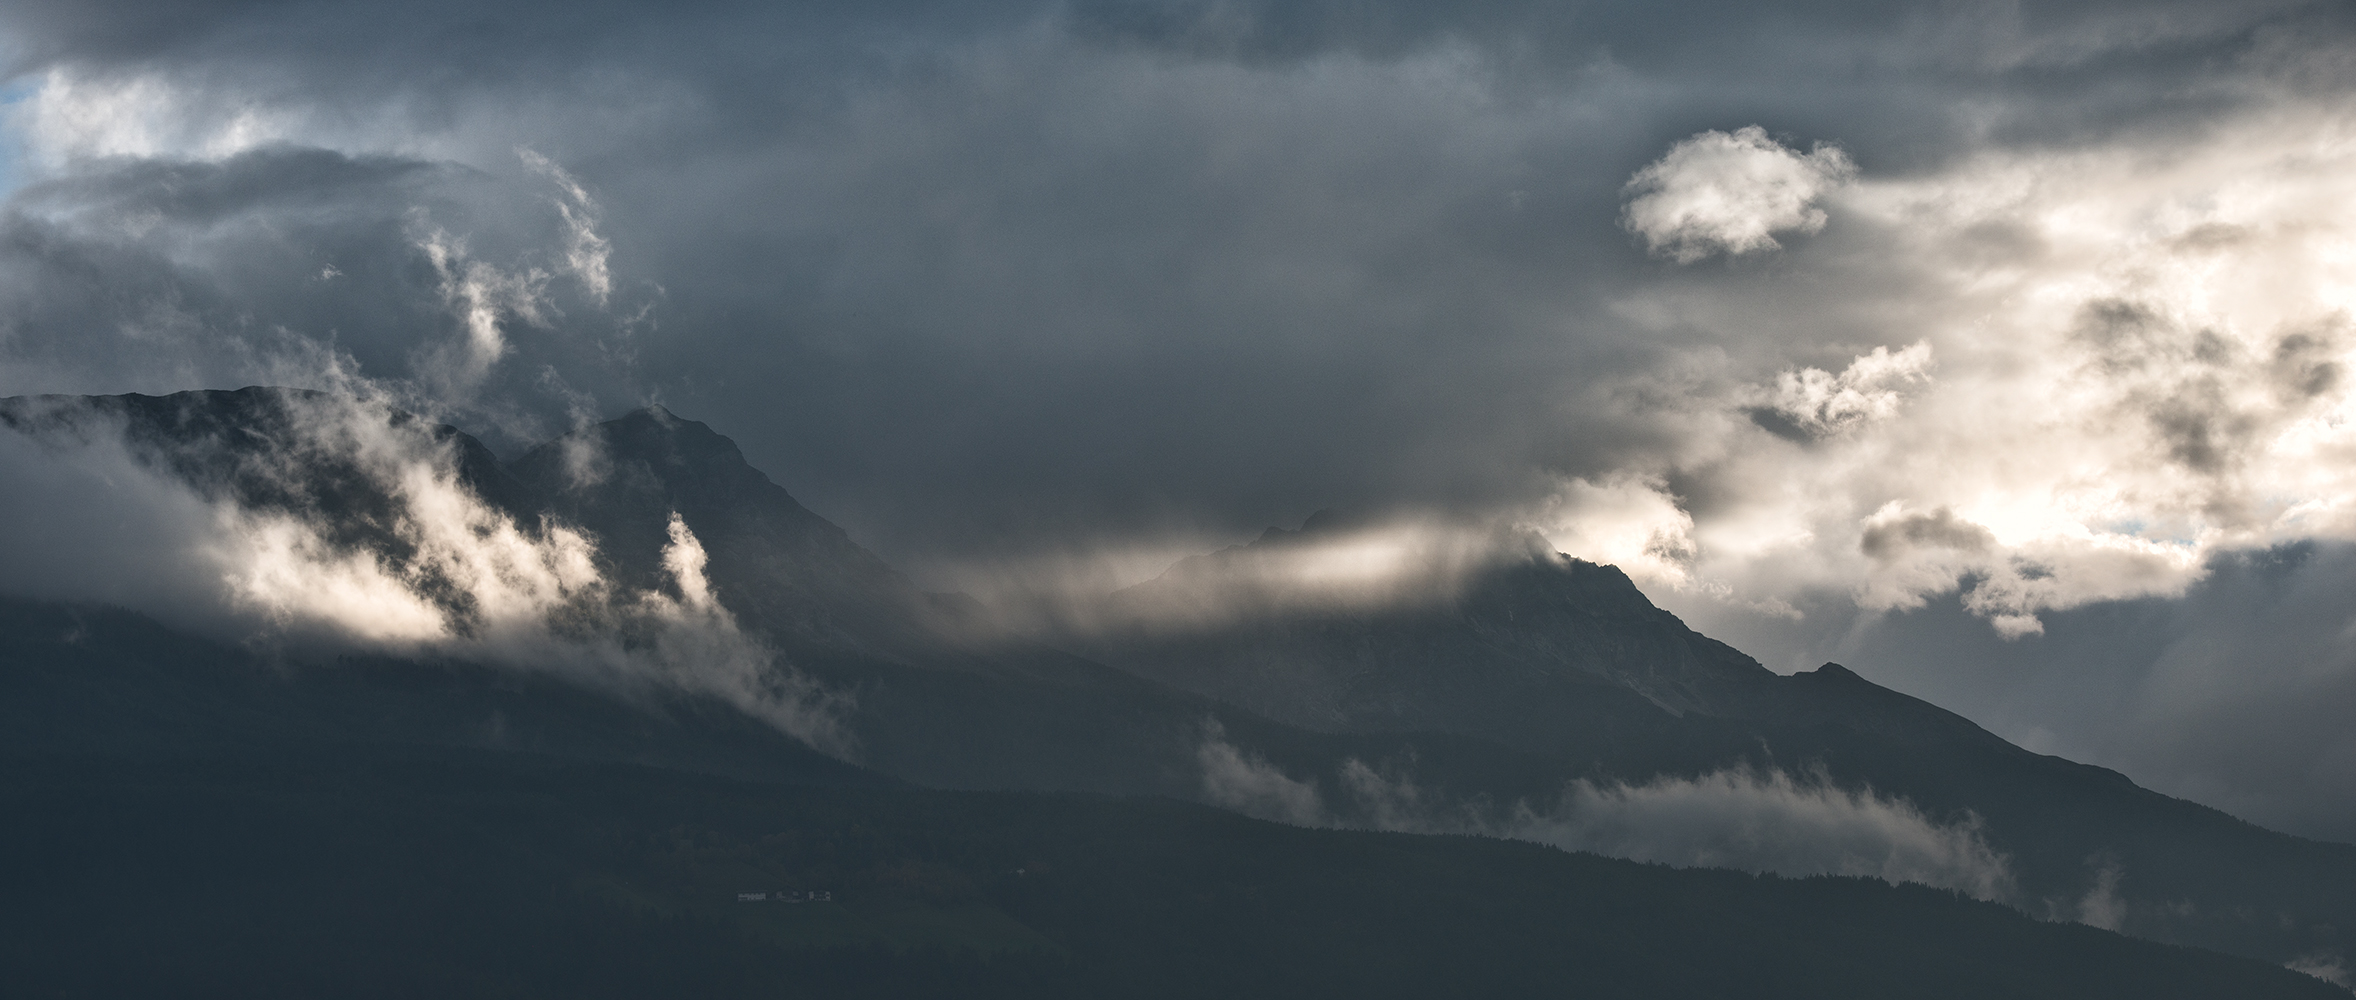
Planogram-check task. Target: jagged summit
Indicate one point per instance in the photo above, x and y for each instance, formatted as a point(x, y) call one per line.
point(1327, 522)
point(1355, 624)
point(297, 452)
point(322, 458)
point(781, 567)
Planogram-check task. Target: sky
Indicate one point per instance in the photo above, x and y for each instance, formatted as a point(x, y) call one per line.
point(1999, 351)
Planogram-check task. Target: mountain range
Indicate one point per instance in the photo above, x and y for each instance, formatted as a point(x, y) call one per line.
point(1042, 806)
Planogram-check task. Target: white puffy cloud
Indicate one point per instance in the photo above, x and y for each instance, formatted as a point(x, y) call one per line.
point(1819, 403)
point(1730, 192)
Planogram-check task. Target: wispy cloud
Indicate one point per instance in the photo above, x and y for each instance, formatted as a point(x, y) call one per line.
point(1736, 818)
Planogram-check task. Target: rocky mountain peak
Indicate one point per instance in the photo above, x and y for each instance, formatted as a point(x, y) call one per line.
point(780, 566)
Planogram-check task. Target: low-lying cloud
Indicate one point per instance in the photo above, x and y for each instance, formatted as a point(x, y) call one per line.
point(1733, 818)
point(1245, 782)
point(1770, 822)
point(1335, 564)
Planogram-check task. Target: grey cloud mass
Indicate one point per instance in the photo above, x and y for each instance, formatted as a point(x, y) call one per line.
point(1986, 318)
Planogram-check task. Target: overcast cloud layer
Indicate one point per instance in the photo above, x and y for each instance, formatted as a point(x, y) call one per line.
point(1960, 342)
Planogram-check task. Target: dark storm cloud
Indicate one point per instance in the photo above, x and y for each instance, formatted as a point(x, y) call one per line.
point(1112, 277)
point(999, 270)
point(1030, 280)
point(1940, 528)
point(285, 264)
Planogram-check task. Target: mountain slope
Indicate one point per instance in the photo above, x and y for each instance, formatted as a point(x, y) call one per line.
point(1531, 674)
point(1568, 660)
point(785, 570)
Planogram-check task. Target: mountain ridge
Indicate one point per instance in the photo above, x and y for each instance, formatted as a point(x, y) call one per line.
point(1561, 671)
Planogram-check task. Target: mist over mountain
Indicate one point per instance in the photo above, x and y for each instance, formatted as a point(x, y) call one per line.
point(353, 577)
point(1840, 328)
point(1883, 477)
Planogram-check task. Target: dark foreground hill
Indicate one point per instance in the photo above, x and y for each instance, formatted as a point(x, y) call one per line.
point(303, 871)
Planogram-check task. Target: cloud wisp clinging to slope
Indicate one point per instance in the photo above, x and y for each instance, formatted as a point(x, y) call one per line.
point(353, 528)
point(1734, 818)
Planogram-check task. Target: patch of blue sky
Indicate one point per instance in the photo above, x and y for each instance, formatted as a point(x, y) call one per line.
point(15, 152)
point(2182, 535)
